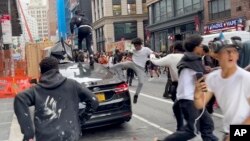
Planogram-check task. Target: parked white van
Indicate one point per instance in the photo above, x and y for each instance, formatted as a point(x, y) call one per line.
point(244, 35)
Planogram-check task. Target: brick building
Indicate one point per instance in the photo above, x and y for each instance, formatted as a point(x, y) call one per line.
point(226, 15)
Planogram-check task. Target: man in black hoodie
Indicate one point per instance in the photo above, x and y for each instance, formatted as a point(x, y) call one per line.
point(84, 32)
point(56, 100)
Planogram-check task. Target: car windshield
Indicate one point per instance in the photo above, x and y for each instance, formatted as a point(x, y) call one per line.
point(83, 73)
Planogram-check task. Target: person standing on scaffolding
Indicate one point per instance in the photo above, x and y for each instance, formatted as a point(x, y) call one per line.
point(84, 32)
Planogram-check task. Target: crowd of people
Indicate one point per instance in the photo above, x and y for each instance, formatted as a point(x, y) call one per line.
point(223, 65)
point(199, 76)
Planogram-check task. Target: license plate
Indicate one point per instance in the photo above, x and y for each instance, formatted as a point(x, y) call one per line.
point(100, 97)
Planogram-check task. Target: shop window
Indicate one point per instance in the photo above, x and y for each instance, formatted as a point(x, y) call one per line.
point(219, 9)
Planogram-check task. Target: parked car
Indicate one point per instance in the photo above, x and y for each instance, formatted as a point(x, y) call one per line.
point(112, 93)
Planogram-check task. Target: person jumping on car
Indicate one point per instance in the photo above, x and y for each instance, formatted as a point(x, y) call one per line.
point(84, 32)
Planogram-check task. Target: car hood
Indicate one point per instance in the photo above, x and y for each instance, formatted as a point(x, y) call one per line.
point(87, 75)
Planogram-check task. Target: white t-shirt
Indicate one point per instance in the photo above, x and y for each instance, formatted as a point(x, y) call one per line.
point(140, 57)
point(185, 89)
point(171, 62)
point(231, 94)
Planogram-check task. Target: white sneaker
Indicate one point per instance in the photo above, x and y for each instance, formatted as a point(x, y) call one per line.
point(151, 79)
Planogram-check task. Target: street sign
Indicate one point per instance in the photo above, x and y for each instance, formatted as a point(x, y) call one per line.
point(6, 29)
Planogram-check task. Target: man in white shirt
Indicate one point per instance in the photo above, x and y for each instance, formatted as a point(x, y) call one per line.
point(139, 58)
point(171, 61)
point(230, 85)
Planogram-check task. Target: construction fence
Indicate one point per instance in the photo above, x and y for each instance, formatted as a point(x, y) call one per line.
point(15, 75)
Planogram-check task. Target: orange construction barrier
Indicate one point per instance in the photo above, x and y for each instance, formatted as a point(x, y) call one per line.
point(10, 86)
point(5, 90)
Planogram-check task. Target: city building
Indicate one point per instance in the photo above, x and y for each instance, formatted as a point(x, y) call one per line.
point(11, 8)
point(39, 11)
point(31, 22)
point(171, 20)
point(116, 20)
point(52, 19)
point(226, 15)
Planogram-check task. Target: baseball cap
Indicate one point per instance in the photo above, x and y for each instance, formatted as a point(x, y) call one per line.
point(218, 45)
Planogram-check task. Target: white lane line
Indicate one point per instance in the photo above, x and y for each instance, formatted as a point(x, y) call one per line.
point(152, 124)
point(170, 102)
point(10, 111)
point(4, 123)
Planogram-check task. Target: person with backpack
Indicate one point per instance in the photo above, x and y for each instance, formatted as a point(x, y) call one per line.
point(84, 32)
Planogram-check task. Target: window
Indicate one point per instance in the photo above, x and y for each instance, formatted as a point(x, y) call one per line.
point(179, 7)
point(127, 30)
point(170, 9)
point(100, 42)
point(102, 9)
point(144, 7)
point(196, 4)
point(187, 6)
point(219, 9)
point(163, 10)
point(157, 16)
point(117, 10)
point(131, 7)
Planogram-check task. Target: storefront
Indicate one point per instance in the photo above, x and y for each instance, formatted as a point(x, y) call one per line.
point(237, 24)
point(162, 39)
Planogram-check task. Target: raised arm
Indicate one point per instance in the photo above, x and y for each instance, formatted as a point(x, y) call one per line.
point(160, 62)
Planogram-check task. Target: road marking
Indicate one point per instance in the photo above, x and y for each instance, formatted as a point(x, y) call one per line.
point(169, 102)
point(152, 124)
point(10, 111)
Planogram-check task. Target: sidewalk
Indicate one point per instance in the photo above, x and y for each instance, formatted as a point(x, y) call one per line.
point(9, 128)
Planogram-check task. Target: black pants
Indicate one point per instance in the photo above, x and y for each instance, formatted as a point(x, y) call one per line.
point(205, 125)
point(178, 115)
point(130, 76)
point(85, 33)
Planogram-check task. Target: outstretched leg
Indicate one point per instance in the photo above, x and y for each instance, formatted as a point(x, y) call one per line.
point(138, 70)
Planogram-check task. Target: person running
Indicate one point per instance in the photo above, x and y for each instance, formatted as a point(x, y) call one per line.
point(56, 101)
point(84, 32)
point(230, 85)
point(139, 58)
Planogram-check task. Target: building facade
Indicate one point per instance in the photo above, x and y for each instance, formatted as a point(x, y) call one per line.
point(226, 15)
point(116, 20)
point(171, 20)
point(31, 23)
point(40, 12)
point(52, 19)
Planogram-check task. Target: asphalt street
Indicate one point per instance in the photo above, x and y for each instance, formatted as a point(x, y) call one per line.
point(152, 118)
